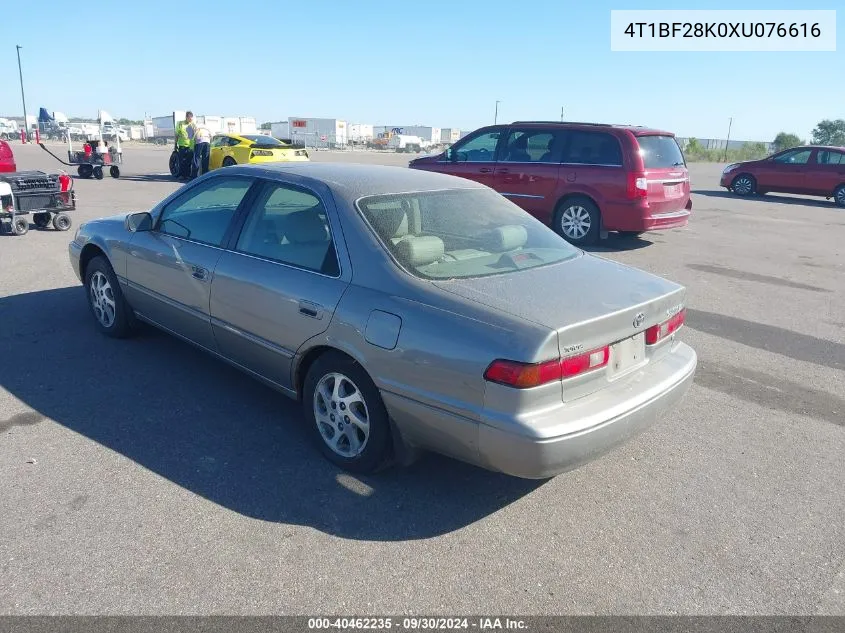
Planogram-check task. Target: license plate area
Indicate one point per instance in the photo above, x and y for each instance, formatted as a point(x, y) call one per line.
point(627, 355)
point(670, 192)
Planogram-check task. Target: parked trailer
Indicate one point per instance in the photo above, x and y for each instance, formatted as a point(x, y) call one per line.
point(317, 132)
point(429, 134)
point(449, 135)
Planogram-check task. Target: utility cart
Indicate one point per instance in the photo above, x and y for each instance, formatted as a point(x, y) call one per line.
point(47, 197)
point(95, 157)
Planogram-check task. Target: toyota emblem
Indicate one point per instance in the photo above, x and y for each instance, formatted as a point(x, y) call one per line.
point(639, 319)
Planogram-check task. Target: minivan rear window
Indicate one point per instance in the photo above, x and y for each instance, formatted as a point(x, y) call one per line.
point(660, 152)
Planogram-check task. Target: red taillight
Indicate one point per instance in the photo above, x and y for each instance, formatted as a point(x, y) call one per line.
point(637, 185)
point(526, 375)
point(523, 375)
point(660, 331)
point(575, 365)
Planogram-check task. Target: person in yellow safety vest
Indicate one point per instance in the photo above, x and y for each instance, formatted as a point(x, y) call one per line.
point(185, 132)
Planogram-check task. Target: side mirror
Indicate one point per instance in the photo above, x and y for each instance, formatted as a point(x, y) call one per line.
point(139, 222)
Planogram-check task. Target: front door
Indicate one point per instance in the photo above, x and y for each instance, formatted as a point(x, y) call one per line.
point(785, 172)
point(527, 170)
point(170, 269)
point(474, 157)
point(280, 284)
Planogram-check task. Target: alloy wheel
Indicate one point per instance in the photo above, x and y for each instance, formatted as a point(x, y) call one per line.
point(743, 186)
point(575, 222)
point(102, 299)
point(341, 415)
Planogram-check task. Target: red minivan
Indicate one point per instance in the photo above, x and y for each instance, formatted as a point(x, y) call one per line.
point(583, 179)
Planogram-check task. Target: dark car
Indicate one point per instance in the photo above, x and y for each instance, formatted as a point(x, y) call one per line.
point(813, 170)
point(582, 179)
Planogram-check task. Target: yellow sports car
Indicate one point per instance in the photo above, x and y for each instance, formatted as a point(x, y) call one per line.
point(234, 149)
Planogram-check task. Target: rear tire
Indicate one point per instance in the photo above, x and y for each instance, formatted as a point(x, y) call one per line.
point(85, 171)
point(229, 161)
point(332, 382)
point(112, 314)
point(744, 185)
point(839, 196)
point(578, 221)
point(98, 173)
point(62, 222)
point(114, 171)
point(41, 220)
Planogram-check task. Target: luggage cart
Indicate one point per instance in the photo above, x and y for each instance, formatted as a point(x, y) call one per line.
point(48, 197)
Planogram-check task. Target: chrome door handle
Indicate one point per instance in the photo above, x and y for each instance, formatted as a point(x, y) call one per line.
point(310, 310)
point(485, 170)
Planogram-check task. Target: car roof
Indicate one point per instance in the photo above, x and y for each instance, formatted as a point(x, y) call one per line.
point(353, 180)
point(637, 130)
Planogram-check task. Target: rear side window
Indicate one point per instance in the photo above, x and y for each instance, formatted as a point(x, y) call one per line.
point(592, 148)
point(660, 152)
point(828, 157)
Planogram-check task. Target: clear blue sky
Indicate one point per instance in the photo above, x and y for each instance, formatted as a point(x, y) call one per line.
point(403, 63)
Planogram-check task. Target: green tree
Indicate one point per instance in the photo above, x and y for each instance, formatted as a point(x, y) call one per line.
point(786, 141)
point(265, 126)
point(829, 132)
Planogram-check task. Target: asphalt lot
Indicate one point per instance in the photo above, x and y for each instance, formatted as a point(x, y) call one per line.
point(141, 477)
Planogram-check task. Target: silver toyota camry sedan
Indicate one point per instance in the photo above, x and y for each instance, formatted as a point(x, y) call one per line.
point(405, 310)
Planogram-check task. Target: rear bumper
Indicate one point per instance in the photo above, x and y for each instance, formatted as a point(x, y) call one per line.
point(538, 458)
point(643, 218)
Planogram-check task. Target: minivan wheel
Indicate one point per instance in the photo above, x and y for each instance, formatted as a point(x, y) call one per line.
point(577, 221)
point(346, 415)
point(839, 196)
point(744, 185)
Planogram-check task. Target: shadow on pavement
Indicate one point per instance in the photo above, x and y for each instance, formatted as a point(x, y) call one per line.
point(804, 202)
point(218, 433)
point(151, 178)
point(617, 242)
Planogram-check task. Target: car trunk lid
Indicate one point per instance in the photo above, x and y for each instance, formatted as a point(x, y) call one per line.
point(592, 303)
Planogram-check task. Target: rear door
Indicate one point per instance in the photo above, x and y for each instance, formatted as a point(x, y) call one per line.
point(527, 169)
point(592, 164)
point(666, 173)
point(475, 156)
point(828, 172)
point(279, 283)
point(785, 172)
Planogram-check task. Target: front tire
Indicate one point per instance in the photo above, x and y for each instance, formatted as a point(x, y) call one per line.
point(98, 173)
point(41, 220)
point(112, 315)
point(744, 185)
point(175, 167)
point(20, 225)
point(578, 221)
point(839, 196)
point(62, 222)
point(346, 415)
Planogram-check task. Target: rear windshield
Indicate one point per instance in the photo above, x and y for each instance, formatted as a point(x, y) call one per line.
point(461, 233)
point(264, 141)
point(660, 152)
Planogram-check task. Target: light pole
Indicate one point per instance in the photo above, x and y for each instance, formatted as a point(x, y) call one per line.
point(23, 97)
point(496, 115)
point(728, 141)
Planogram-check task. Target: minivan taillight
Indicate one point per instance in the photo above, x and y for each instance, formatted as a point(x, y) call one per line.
point(637, 185)
point(657, 333)
point(527, 375)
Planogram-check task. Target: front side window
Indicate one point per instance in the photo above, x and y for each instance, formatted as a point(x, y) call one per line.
point(290, 226)
point(461, 233)
point(480, 149)
point(204, 213)
point(794, 157)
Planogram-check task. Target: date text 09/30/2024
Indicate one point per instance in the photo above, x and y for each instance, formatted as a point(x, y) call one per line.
point(416, 624)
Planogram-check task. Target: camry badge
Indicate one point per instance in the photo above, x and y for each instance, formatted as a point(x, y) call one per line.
point(639, 319)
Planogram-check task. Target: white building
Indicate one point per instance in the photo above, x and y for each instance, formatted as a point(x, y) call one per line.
point(280, 130)
point(360, 133)
point(449, 135)
point(316, 132)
